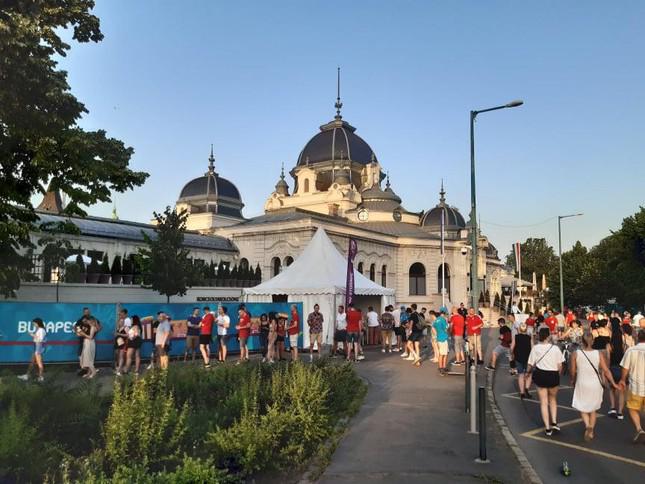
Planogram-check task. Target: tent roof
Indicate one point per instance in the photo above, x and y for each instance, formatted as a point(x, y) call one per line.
point(320, 269)
point(507, 281)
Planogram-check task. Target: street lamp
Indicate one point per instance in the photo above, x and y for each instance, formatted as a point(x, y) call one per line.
point(560, 217)
point(474, 293)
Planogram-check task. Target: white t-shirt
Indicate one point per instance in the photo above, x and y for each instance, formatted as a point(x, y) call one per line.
point(162, 330)
point(397, 317)
point(39, 336)
point(341, 321)
point(634, 361)
point(223, 323)
point(547, 357)
point(372, 319)
point(561, 319)
point(637, 319)
point(127, 323)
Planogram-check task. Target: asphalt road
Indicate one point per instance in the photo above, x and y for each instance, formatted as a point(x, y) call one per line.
point(610, 457)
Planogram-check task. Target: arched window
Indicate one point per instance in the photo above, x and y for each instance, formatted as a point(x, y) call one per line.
point(306, 185)
point(443, 277)
point(417, 279)
point(384, 276)
point(360, 267)
point(288, 261)
point(244, 264)
point(373, 272)
point(276, 266)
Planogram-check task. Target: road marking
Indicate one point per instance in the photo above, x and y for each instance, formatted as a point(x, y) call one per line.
point(532, 434)
point(515, 396)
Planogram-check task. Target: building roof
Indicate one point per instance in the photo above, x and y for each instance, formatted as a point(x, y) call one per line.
point(124, 230)
point(52, 202)
point(452, 219)
point(210, 185)
point(336, 142)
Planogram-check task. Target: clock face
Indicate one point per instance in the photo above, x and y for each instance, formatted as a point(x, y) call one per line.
point(363, 215)
point(396, 215)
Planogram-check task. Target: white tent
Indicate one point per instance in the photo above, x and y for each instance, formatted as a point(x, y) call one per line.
point(318, 276)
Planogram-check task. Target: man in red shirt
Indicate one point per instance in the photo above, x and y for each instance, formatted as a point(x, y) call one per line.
point(474, 326)
point(551, 322)
point(530, 324)
point(293, 330)
point(205, 338)
point(243, 332)
point(457, 323)
point(354, 321)
point(570, 318)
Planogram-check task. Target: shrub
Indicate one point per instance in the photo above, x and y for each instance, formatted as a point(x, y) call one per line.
point(18, 443)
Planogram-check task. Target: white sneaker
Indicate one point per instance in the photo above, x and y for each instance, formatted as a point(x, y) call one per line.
point(150, 366)
point(410, 358)
point(397, 349)
point(360, 357)
point(404, 355)
point(24, 377)
point(41, 379)
point(383, 350)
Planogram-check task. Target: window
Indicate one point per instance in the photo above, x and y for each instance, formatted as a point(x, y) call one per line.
point(276, 266)
point(417, 279)
point(288, 261)
point(384, 276)
point(373, 272)
point(360, 267)
point(244, 264)
point(443, 277)
point(306, 185)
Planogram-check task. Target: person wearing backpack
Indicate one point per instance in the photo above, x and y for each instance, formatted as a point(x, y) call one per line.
point(587, 366)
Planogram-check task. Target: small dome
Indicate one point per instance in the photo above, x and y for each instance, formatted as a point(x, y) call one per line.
point(211, 185)
point(336, 141)
point(282, 187)
point(453, 220)
point(376, 198)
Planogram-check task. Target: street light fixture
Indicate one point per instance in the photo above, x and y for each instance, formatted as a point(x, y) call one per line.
point(560, 217)
point(474, 294)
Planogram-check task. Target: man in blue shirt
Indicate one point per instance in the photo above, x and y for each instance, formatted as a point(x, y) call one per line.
point(440, 328)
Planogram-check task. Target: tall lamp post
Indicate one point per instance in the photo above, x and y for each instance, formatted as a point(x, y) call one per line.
point(560, 217)
point(474, 292)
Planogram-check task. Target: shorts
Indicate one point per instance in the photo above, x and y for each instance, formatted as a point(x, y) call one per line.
point(205, 339)
point(546, 379)
point(161, 350)
point(443, 348)
point(416, 337)
point(279, 339)
point(520, 367)
point(502, 350)
point(397, 330)
point(119, 343)
point(635, 402)
point(313, 337)
point(192, 342)
point(459, 344)
point(293, 340)
point(222, 339)
point(242, 340)
point(616, 372)
point(39, 348)
point(135, 343)
point(353, 337)
point(340, 335)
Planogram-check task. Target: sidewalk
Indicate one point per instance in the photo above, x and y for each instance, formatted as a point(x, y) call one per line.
point(412, 428)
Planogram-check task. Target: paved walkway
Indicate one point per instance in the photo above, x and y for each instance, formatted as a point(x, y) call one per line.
point(412, 429)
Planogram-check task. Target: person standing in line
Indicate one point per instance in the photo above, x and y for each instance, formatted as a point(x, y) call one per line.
point(457, 326)
point(293, 330)
point(206, 336)
point(192, 334)
point(586, 367)
point(243, 332)
point(433, 340)
point(272, 336)
point(474, 326)
point(264, 335)
point(387, 324)
point(340, 331)
point(281, 334)
point(89, 348)
point(133, 350)
point(372, 326)
point(504, 345)
point(39, 336)
point(396, 314)
point(545, 366)
point(633, 367)
point(354, 318)
point(120, 340)
point(521, 349)
point(315, 322)
point(223, 324)
point(440, 327)
point(162, 339)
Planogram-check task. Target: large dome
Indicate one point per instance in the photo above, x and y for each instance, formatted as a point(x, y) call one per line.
point(335, 142)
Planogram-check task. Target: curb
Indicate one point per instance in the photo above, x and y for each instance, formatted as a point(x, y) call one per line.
point(529, 473)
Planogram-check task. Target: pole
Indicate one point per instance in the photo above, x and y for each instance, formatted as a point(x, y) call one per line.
point(473, 400)
point(474, 293)
point(467, 379)
point(483, 458)
point(560, 262)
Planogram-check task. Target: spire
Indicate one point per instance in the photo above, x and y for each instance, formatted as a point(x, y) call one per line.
point(211, 162)
point(387, 180)
point(282, 172)
point(114, 214)
point(338, 105)
point(52, 201)
point(442, 194)
point(282, 187)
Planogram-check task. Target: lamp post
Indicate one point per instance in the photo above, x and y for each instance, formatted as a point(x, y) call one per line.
point(474, 293)
point(560, 217)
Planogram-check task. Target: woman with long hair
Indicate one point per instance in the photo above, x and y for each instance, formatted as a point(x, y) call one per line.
point(264, 335)
point(587, 366)
point(39, 336)
point(616, 352)
point(271, 338)
point(545, 366)
point(521, 349)
point(134, 346)
point(281, 332)
point(89, 348)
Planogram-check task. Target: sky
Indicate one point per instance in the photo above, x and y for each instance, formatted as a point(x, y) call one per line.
point(257, 79)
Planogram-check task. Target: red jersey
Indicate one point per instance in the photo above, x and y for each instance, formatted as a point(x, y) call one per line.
point(530, 321)
point(457, 321)
point(244, 324)
point(207, 323)
point(354, 318)
point(551, 322)
point(294, 328)
point(474, 324)
point(570, 318)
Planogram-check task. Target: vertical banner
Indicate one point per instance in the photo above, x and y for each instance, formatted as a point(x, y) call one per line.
point(349, 289)
point(518, 259)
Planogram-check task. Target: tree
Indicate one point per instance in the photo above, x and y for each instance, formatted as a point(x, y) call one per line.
point(537, 256)
point(55, 249)
point(497, 303)
point(164, 261)
point(41, 143)
point(258, 274)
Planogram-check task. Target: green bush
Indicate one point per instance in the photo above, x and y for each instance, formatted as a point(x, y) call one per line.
point(18, 443)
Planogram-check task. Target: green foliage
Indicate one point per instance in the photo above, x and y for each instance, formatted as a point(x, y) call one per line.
point(258, 274)
point(165, 261)
point(55, 249)
point(93, 268)
point(18, 441)
point(72, 273)
point(127, 266)
point(537, 256)
point(40, 141)
point(105, 265)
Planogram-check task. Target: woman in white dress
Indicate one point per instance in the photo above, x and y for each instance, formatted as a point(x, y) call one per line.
point(89, 349)
point(587, 365)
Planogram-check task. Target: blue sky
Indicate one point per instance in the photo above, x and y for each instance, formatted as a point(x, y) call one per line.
point(256, 79)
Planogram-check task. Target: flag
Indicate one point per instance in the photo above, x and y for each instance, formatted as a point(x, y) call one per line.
point(349, 289)
point(518, 258)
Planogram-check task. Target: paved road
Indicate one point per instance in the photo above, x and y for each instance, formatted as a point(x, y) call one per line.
point(412, 429)
point(610, 457)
